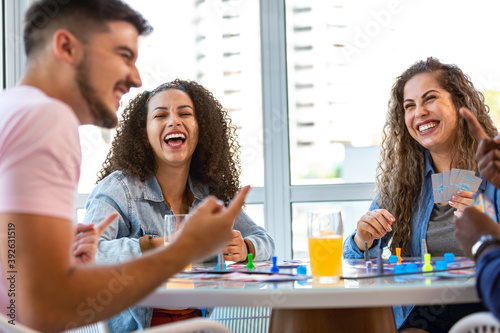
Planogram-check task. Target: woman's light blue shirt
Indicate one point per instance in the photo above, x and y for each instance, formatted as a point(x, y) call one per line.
point(142, 210)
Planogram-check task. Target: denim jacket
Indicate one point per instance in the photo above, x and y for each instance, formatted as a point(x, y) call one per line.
point(487, 277)
point(419, 222)
point(142, 208)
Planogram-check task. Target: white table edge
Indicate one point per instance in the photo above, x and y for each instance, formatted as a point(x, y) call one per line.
point(310, 298)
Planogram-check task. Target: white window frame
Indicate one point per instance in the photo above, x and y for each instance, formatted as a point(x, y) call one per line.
point(12, 58)
point(278, 194)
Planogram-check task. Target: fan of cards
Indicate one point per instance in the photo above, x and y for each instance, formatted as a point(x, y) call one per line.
point(446, 184)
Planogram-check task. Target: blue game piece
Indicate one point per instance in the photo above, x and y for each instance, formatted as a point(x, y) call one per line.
point(399, 269)
point(411, 268)
point(441, 265)
point(393, 259)
point(449, 258)
point(275, 268)
point(301, 270)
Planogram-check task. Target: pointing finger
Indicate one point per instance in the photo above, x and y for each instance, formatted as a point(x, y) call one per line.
point(80, 227)
point(106, 223)
point(474, 125)
point(238, 201)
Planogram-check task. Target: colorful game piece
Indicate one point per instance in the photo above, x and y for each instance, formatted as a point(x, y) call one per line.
point(380, 264)
point(399, 269)
point(275, 268)
point(398, 254)
point(250, 264)
point(449, 258)
point(368, 265)
point(411, 268)
point(221, 264)
point(427, 267)
point(441, 265)
point(424, 249)
point(367, 255)
point(301, 270)
point(393, 259)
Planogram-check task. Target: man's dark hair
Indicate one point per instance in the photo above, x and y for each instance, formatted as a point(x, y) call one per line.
point(80, 17)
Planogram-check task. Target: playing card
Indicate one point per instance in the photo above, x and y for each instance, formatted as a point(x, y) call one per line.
point(467, 181)
point(437, 187)
point(446, 185)
point(453, 187)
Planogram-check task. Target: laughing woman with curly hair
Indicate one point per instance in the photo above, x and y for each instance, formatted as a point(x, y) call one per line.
point(174, 146)
point(423, 134)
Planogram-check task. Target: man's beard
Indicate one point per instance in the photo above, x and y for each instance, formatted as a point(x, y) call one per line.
point(103, 116)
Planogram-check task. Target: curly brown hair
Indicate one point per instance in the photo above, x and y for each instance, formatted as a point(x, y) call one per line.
point(215, 160)
point(400, 172)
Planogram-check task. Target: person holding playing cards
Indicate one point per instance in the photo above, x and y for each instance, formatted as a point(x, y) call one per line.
point(477, 233)
point(424, 137)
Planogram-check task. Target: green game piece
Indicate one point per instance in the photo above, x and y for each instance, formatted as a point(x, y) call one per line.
point(250, 263)
point(427, 265)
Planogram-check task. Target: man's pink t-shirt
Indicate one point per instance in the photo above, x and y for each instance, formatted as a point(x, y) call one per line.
point(39, 159)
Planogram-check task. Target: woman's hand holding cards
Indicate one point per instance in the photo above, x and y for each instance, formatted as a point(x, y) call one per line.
point(373, 225)
point(460, 201)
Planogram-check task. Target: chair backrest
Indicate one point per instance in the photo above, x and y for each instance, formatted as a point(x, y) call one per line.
point(8, 327)
point(483, 322)
point(99, 327)
point(13, 326)
point(197, 325)
point(243, 319)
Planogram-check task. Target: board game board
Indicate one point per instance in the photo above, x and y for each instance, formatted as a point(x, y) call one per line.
point(357, 269)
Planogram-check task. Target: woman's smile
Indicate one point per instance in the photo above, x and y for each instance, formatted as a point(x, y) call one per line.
point(175, 139)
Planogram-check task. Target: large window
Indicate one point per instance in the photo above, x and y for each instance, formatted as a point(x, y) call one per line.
point(305, 81)
point(342, 58)
point(216, 43)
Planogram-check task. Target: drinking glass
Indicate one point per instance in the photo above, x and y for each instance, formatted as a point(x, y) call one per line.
point(171, 225)
point(324, 232)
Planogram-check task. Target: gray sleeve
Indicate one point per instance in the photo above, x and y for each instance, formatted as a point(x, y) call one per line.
point(263, 242)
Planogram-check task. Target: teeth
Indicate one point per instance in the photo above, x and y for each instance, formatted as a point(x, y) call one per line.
point(175, 136)
point(426, 127)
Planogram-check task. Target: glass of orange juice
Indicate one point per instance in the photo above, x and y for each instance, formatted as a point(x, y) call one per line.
point(324, 232)
point(171, 225)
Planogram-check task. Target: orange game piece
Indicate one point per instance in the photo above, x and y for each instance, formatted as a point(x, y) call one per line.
point(398, 253)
